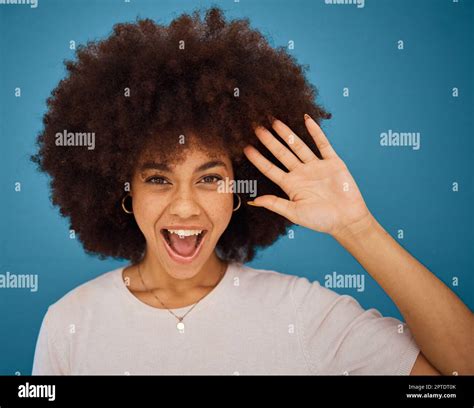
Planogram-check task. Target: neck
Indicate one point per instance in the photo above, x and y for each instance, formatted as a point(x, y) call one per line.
point(154, 273)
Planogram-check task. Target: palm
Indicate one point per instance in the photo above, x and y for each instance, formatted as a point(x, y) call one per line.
point(325, 195)
point(322, 194)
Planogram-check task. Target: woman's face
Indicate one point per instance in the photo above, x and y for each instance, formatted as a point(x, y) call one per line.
point(181, 211)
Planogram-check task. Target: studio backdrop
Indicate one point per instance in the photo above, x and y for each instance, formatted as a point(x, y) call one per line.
point(396, 75)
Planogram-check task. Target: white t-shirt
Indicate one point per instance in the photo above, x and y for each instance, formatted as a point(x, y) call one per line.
point(252, 322)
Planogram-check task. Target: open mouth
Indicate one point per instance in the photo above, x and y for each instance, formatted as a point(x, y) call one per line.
point(183, 245)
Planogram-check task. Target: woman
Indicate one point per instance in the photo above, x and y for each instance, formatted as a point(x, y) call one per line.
point(177, 113)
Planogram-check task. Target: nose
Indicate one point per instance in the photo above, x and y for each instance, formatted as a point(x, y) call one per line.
point(184, 205)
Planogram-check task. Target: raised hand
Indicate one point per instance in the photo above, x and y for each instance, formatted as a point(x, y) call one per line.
point(322, 195)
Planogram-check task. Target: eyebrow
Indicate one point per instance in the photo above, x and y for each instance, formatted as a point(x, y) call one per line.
point(165, 168)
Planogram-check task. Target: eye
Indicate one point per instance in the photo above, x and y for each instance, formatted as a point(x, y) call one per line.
point(157, 180)
point(211, 179)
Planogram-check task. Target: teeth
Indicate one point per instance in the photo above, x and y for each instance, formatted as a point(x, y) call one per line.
point(185, 233)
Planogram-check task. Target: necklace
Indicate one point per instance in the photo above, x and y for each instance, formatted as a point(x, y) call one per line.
point(180, 324)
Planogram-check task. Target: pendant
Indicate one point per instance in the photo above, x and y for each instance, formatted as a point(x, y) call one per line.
point(180, 326)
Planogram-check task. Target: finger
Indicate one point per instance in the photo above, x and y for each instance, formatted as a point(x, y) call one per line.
point(276, 204)
point(264, 165)
point(296, 144)
point(319, 137)
point(286, 157)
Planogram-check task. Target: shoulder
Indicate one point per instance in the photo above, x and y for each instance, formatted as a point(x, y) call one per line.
point(305, 294)
point(90, 295)
point(262, 277)
point(271, 282)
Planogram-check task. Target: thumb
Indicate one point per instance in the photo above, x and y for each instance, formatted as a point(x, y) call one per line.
point(276, 204)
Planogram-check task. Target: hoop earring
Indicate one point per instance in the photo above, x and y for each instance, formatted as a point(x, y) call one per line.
point(123, 204)
point(238, 205)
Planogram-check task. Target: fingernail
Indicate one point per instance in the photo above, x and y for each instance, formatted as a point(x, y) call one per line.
point(271, 118)
point(306, 116)
point(252, 203)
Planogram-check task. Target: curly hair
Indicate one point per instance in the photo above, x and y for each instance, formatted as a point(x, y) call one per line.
point(144, 85)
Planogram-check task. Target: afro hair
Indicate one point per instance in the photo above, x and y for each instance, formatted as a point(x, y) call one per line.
point(141, 88)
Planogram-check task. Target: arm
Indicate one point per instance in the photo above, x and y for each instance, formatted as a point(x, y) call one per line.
point(441, 324)
point(323, 196)
point(49, 359)
point(423, 367)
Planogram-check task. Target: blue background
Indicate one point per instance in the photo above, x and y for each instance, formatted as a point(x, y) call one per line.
point(344, 46)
